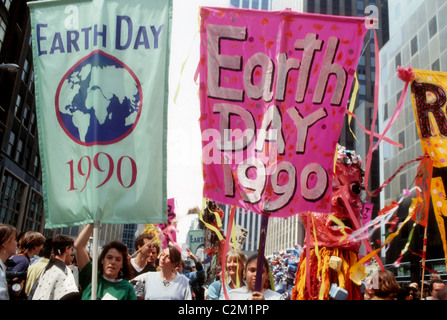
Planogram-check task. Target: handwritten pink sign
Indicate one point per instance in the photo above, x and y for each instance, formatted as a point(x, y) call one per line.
point(273, 93)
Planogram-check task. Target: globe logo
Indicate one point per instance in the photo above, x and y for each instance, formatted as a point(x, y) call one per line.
point(98, 101)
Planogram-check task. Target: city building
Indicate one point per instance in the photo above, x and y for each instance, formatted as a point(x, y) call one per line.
point(21, 200)
point(418, 38)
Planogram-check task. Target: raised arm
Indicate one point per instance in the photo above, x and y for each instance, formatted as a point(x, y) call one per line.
point(80, 246)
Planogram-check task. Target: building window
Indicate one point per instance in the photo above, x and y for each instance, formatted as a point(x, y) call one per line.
point(27, 157)
point(2, 32)
point(32, 123)
point(403, 181)
point(385, 112)
point(235, 3)
point(432, 27)
point(386, 151)
point(36, 170)
point(265, 5)
point(26, 67)
point(31, 82)
point(18, 108)
point(19, 151)
point(311, 6)
point(398, 60)
point(11, 197)
point(7, 3)
point(11, 143)
point(323, 7)
point(336, 7)
point(34, 216)
point(414, 45)
point(26, 116)
point(436, 66)
point(402, 138)
point(246, 4)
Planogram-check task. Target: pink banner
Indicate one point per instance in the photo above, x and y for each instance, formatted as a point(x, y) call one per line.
point(274, 87)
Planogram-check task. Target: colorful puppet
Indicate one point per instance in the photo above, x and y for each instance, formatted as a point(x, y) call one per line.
point(332, 251)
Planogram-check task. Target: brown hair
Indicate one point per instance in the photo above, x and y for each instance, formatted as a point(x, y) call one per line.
point(7, 232)
point(122, 248)
point(388, 286)
point(139, 241)
point(30, 240)
point(174, 255)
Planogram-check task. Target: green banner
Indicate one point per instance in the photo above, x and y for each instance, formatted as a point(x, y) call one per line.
point(101, 86)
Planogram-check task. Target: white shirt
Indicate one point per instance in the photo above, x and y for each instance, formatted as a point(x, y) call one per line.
point(4, 295)
point(157, 289)
point(245, 294)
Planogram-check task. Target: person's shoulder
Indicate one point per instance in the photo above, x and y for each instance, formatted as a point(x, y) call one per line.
point(215, 284)
point(182, 278)
point(272, 295)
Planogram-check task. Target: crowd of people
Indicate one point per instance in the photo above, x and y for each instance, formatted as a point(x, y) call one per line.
point(35, 268)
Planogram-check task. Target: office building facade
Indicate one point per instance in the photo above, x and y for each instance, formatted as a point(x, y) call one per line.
point(418, 38)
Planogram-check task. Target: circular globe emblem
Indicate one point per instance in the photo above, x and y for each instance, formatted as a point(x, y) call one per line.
point(98, 101)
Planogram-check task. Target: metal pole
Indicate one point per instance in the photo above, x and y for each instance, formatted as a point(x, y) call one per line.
point(95, 259)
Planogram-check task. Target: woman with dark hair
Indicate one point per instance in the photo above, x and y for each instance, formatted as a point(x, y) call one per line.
point(166, 284)
point(248, 291)
point(8, 247)
point(57, 282)
point(113, 268)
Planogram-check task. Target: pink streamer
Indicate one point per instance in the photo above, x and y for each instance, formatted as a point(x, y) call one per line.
point(376, 103)
point(226, 248)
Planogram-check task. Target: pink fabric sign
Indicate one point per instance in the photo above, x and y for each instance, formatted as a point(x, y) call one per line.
point(274, 87)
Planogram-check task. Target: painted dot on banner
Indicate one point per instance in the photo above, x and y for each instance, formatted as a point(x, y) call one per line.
point(442, 160)
point(441, 150)
point(441, 195)
point(434, 191)
point(439, 204)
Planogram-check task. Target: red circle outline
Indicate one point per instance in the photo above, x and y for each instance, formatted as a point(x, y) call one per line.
point(59, 119)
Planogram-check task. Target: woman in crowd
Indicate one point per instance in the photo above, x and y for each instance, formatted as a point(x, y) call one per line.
point(233, 276)
point(8, 247)
point(248, 291)
point(29, 245)
point(166, 284)
point(113, 268)
point(388, 286)
point(57, 281)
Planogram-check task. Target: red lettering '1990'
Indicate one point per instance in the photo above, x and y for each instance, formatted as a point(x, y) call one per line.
point(103, 163)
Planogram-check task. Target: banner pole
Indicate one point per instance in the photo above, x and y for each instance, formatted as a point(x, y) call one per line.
point(95, 259)
point(262, 238)
point(424, 252)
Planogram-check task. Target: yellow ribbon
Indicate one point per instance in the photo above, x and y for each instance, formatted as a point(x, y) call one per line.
point(341, 224)
point(352, 103)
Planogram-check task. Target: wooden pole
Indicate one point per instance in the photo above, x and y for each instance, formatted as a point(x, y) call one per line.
point(95, 259)
point(262, 237)
point(424, 251)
